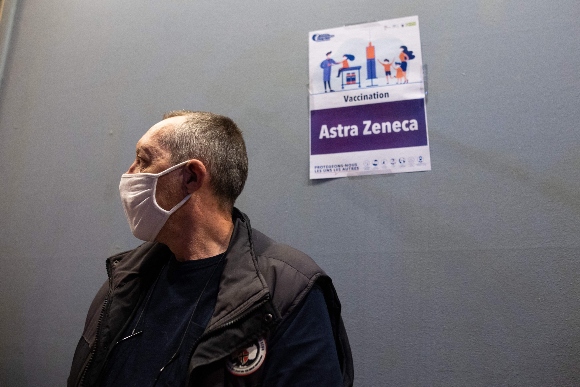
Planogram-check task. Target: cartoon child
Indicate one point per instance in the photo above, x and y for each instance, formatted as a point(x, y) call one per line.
point(326, 66)
point(400, 76)
point(387, 65)
point(405, 56)
point(345, 65)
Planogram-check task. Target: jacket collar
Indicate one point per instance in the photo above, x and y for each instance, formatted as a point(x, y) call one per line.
point(241, 285)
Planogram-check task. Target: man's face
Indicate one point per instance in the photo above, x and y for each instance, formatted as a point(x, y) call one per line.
point(152, 158)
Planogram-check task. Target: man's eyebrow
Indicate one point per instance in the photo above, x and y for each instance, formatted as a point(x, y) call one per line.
point(144, 150)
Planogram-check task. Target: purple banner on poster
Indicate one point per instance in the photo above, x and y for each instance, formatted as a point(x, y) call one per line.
point(398, 124)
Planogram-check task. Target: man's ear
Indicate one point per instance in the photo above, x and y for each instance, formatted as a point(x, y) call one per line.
point(194, 175)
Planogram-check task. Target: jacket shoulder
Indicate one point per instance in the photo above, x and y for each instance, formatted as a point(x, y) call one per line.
point(289, 273)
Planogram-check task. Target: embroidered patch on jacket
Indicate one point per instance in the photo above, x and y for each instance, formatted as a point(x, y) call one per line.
point(247, 360)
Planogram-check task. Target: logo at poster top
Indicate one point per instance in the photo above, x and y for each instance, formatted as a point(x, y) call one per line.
point(247, 360)
point(322, 37)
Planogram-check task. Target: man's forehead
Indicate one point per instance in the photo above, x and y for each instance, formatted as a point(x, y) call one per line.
point(148, 141)
point(150, 138)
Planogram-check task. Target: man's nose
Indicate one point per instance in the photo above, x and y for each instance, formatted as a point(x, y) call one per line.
point(132, 168)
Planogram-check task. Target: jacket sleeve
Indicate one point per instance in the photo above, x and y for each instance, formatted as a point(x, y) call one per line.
point(84, 345)
point(303, 351)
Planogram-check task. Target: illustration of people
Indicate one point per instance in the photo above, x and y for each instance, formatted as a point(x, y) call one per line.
point(400, 75)
point(326, 66)
point(345, 65)
point(387, 65)
point(404, 57)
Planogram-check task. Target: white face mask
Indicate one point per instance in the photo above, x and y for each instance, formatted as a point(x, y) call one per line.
point(144, 215)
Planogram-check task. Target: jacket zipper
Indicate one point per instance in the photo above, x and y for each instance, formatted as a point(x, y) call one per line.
point(99, 322)
point(241, 316)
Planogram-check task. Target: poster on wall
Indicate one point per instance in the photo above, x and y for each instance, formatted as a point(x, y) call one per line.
point(367, 100)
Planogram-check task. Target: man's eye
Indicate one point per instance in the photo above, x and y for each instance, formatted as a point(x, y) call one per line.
point(141, 163)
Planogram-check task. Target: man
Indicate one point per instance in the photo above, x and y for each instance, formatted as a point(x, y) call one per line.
point(326, 66)
point(207, 301)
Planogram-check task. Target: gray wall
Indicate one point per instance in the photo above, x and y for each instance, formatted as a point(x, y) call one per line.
point(463, 276)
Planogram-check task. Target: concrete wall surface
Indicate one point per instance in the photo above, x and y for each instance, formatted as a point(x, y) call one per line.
point(466, 275)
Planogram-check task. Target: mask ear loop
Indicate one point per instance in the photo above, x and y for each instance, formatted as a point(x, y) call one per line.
point(177, 205)
point(157, 176)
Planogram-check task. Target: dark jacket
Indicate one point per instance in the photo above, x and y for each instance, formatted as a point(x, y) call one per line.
point(262, 283)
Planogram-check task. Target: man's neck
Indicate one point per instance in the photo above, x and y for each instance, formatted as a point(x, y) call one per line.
point(199, 237)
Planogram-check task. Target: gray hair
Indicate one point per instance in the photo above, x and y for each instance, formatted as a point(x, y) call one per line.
point(218, 143)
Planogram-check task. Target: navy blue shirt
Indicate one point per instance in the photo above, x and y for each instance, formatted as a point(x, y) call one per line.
point(167, 325)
